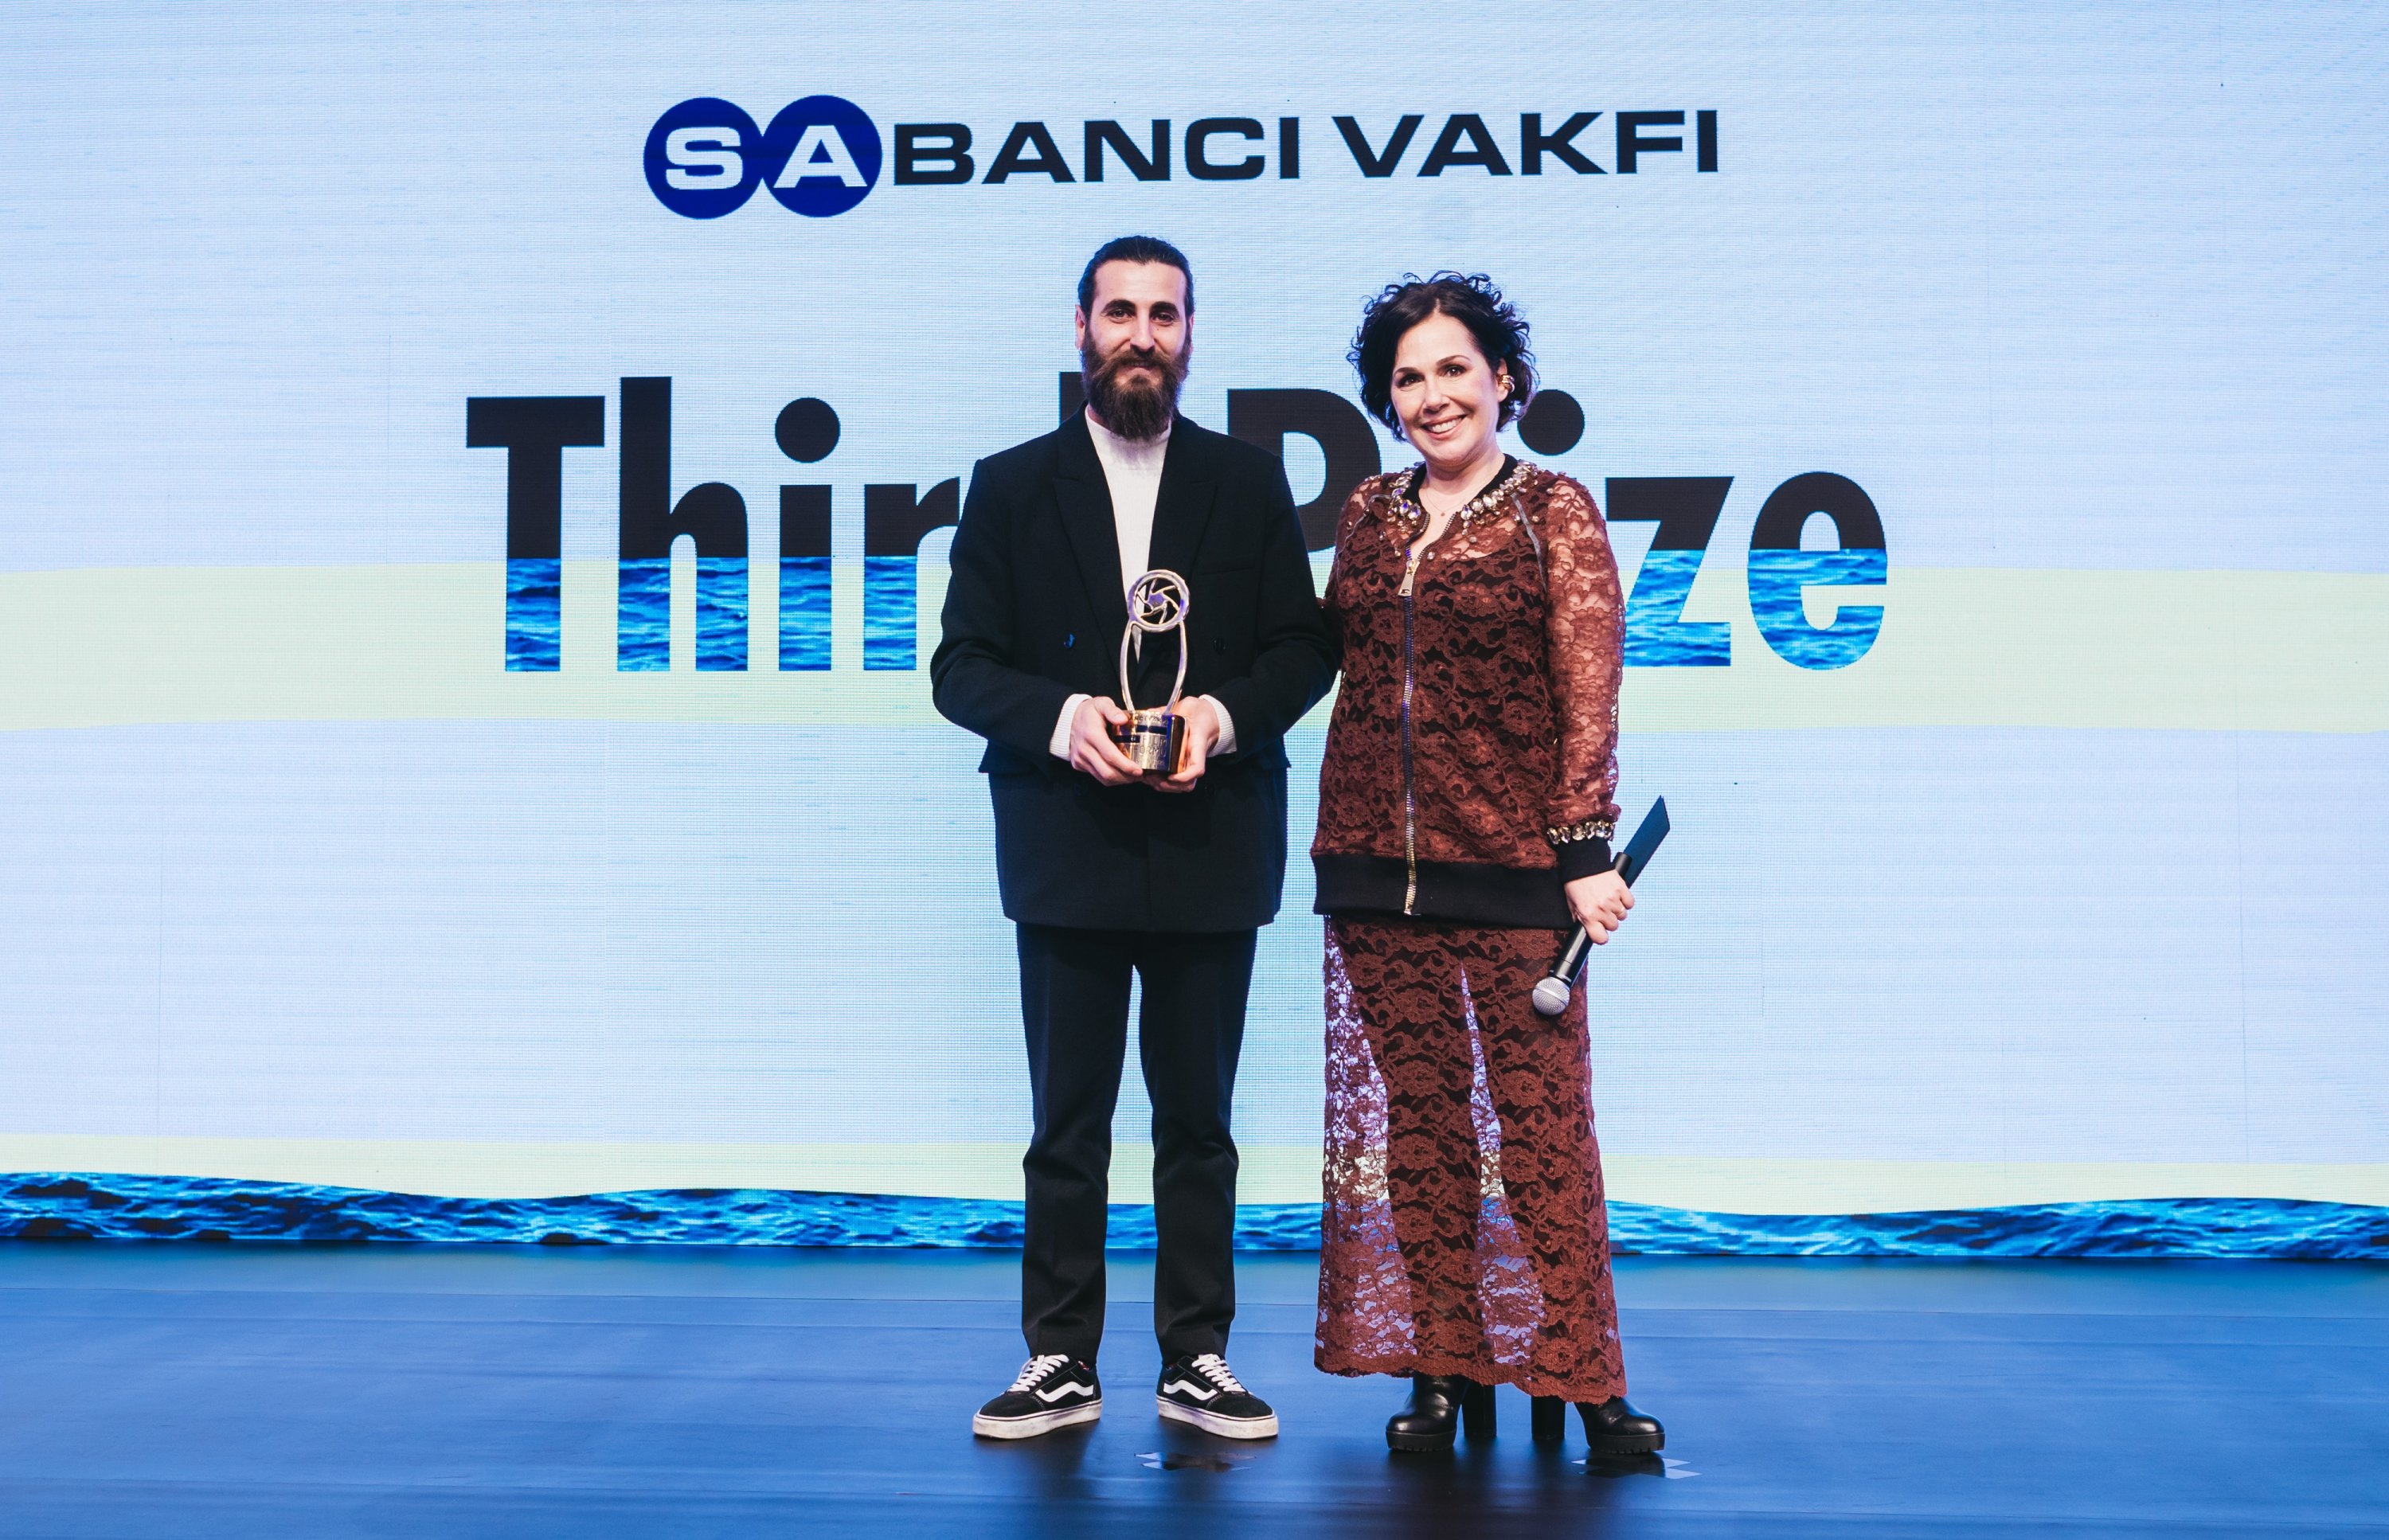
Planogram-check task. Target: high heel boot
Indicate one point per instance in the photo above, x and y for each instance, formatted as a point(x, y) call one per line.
point(1438, 1406)
point(1612, 1427)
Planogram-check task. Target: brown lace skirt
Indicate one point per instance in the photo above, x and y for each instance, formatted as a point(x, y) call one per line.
point(1463, 1231)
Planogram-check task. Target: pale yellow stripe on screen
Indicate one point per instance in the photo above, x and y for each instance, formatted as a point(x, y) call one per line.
point(2297, 652)
point(2284, 651)
point(1270, 1174)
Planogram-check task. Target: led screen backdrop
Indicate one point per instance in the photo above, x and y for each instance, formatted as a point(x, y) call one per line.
point(477, 488)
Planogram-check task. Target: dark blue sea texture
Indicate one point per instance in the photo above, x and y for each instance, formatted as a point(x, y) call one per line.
point(643, 614)
point(804, 613)
point(1655, 635)
point(2278, 1229)
point(534, 615)
point(88, 1206)
point(891, 612)
point(1776, 581)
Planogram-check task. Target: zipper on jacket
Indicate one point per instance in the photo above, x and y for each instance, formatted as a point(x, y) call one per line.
point(1410, 789)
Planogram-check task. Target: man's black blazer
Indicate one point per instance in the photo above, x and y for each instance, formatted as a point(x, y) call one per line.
point(1033, 616)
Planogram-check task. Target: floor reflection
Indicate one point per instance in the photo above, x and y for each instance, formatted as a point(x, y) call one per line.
point(1184, 1460)
point(1052, 1468)
point(1614, 1466)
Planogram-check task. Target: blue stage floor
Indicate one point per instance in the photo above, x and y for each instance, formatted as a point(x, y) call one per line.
point(195, 1391)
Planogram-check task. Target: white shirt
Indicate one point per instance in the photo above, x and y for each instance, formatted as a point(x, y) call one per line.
point(1133, 473)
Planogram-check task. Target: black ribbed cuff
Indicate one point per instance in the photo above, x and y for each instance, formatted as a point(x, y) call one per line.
point(1582, 857)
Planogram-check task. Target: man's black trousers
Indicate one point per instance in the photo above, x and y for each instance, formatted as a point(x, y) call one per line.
point(1074, 991)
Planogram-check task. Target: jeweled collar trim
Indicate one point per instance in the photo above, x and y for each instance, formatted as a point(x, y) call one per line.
point(1414, 514)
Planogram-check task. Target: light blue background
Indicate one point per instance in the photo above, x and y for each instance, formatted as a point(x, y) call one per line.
point(2061, 287)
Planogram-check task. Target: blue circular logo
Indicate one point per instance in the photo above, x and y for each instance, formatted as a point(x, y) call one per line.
point(704, 158)
point(820, 157)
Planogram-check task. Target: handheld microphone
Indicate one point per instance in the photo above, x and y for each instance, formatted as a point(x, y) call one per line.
point(1551, 994)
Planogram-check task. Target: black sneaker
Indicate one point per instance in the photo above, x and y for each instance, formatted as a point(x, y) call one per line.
point(1198, 1388)
point(1054, 1391)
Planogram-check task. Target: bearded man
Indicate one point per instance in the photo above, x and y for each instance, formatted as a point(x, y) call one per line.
point(1110, 871)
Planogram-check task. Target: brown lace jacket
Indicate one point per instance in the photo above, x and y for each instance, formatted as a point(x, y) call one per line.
point(1472, 759)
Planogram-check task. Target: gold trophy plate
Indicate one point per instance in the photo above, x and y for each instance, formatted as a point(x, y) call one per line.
point(1155, 738)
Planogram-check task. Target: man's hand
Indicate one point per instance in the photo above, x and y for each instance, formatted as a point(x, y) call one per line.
point(1092, 748)
point(1202, 732)
point(1600, 903)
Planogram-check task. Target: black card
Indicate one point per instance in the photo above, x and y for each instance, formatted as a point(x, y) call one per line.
point(1646, 839)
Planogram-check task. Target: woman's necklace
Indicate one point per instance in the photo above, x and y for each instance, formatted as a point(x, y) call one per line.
point(1456, 500)
point(1430, 528)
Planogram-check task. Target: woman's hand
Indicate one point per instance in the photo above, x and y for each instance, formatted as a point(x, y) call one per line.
point(1600, 903)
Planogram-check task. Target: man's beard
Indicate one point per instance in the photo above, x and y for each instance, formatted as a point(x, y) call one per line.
point(1138, 411)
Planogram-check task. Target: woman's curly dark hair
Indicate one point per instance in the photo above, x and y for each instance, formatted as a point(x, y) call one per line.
point(1469, 298)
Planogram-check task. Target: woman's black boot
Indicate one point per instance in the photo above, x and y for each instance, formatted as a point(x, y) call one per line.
point(1430, 1421)
point(1616, 1428)
point(1477, 1413)
point(1551, 1420)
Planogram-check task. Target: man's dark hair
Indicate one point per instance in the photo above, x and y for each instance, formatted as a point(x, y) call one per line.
point(1135, 248)
point(1468, 297)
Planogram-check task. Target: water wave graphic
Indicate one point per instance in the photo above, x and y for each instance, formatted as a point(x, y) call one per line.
point(535, 614)
point(891, 612)
point(804, 613)
point(1656, 636)
point(643, 614)
point(1776, 581)
point(65, 1205)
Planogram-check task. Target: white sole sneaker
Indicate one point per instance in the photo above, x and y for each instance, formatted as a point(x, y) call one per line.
point(1226, 1427)
point(1040, 1422)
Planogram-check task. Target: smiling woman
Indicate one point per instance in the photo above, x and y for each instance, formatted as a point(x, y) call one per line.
point(1465, 806)
point(1451, 306)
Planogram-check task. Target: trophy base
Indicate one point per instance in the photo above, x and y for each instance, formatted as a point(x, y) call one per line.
point(1155, 739)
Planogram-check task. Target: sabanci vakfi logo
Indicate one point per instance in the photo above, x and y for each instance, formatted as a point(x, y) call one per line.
point(820, 156)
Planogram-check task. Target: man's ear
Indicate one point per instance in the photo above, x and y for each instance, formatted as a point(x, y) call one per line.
point(1079, 325)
